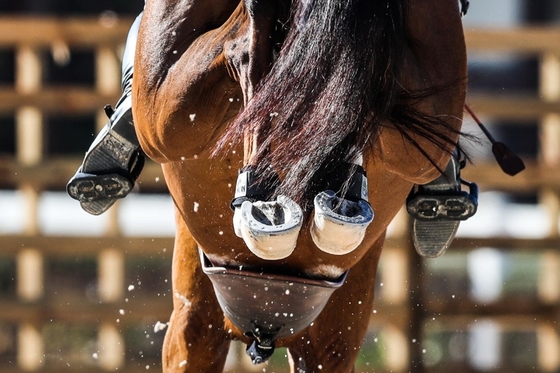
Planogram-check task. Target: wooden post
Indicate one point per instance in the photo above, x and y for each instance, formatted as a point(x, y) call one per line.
point(395, 275)
point(111, 347)
point(30, 349)
point(549, 284)
point(549, 277)
point(111, 261)
point(107, 71)
point(30, 275)
point(417, 312)
point(29, 132)
point(28, 70)
point(548, 348)
point(396, 349)
point(29, 288)
point(550, 134)
point(29, 128)
point(396, 278)
point(111, 264)
point(108, 82)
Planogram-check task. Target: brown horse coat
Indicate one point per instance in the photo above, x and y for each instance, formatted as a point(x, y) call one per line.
point(189, 83)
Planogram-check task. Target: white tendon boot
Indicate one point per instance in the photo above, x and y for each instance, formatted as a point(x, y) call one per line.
point(339, 223)
point(270, 229)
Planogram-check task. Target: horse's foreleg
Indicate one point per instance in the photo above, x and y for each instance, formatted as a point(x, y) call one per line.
point(332, 343)
point(298, 365)
point(196, 339)
point(187, 349)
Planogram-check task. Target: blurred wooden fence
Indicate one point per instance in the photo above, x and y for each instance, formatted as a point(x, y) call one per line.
point(402, 273)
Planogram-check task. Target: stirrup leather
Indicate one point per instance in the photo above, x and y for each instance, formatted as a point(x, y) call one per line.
point(438, 207)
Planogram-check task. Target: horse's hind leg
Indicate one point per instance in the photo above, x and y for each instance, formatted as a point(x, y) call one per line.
point(196, 339)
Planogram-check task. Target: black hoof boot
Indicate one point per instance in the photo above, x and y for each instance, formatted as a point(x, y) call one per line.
point(111, 165)
point(437, 209)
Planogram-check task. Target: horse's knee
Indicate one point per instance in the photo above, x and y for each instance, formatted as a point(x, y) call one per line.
point(194, 344)
point(196, 339)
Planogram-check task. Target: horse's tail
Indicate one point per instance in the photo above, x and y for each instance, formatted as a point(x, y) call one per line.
point(333, 85)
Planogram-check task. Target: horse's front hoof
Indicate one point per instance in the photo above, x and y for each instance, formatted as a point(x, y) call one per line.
point(339, 225)
point(270, 229)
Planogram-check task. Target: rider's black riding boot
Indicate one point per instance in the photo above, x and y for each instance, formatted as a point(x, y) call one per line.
point(437, 209)
point(114, 160)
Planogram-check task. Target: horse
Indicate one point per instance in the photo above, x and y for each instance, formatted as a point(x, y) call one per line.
point(298, 111)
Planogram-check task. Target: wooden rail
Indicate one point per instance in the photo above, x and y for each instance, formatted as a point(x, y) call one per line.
point(79, 32)
point(31, 172)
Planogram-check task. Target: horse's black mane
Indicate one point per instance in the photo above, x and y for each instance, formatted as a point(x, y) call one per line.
point(336, 80)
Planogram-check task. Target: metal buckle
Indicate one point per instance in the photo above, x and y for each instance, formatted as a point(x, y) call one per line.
point(250, 188)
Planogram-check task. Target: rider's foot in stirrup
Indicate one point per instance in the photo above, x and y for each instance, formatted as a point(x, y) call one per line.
point(111, 165)
point(437, 209)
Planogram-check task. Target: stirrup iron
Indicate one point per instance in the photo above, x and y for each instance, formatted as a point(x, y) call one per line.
point(112, 163)
point(437, 209)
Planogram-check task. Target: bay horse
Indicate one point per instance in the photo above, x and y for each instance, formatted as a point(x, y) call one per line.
point(287, 105)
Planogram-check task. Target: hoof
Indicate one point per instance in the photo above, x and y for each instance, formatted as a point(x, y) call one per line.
point(269, 229)
point(339, 225)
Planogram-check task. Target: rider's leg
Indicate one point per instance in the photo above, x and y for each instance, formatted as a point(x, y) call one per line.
point(114, 160)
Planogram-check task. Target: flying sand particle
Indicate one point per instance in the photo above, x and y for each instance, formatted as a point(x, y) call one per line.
point(159, 326)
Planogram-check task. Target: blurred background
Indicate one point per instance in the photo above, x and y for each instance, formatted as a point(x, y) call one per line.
point(80, 293)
